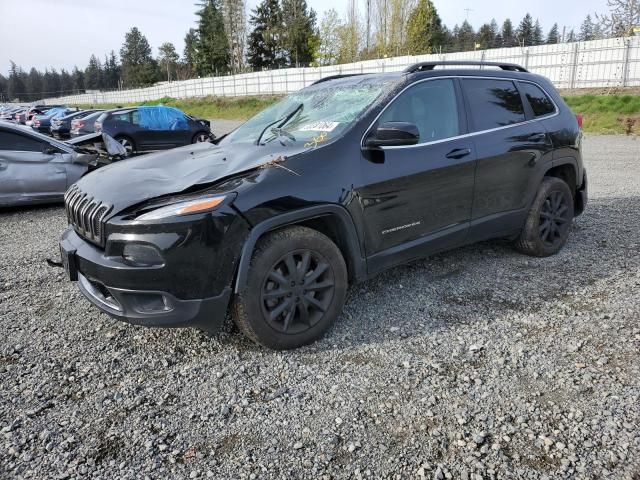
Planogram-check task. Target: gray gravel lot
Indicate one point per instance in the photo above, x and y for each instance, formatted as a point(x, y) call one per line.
point(477, 363)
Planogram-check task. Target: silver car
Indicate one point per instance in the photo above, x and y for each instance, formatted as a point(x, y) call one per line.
point(35, 168)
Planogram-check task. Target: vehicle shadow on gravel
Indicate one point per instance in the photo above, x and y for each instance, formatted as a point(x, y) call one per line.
point(488, 280)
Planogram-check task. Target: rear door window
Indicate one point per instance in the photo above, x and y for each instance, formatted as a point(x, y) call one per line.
point(493, 103)
point(10, 141)
point(122, 117)
point(540, 103)
point(431, 106)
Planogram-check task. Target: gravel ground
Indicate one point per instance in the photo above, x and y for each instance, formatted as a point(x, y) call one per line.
point(477, 363)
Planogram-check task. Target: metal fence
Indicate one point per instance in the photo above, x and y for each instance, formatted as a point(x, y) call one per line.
point(613, 62)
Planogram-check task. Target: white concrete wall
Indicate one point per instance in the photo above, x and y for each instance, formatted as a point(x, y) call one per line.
point(613, 62)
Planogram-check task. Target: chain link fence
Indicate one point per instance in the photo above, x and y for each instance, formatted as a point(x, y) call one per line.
point(609, 63)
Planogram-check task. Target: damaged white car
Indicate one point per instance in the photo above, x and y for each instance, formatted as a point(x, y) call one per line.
point(36, 169)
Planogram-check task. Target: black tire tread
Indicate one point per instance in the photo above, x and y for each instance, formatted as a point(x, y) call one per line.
point(527, 243)
point(238, 311)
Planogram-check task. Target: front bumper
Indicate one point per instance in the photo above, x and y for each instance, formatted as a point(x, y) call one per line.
point(98, 279)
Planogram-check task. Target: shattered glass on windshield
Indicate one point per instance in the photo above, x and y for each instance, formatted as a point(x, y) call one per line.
point(327, 111)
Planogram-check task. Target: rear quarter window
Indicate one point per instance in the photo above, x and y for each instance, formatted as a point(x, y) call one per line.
point(540, 103)
point(493, 103)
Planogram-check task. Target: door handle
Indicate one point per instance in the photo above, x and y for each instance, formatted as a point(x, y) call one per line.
point(458, 153)
point(3, 165)
point(537, 137)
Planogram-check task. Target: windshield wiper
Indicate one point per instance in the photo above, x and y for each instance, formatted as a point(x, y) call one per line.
point(281, 122)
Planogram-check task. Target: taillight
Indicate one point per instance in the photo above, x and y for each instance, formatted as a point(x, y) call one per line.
point(580, 119)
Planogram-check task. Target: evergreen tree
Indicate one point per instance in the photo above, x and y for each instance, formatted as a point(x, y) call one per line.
point(554, 35)
point(77, 77)
point(424, 29)
point(138, 66)
point(299, 33)
point(486, 36)
point(15, 84)
point(168, 58)
point(265, 39)
point(508, 35)
point(465, 38)
point(537, 34)
point(66, 83)
point(4, 81)
point(51, 82)
point(190, 53)
point(92, 74)
point(495, 31)
point(526, 31)
point(571, 37)
point(213, 46)
point(111, 72)
point(34, 85)
point(587, 30)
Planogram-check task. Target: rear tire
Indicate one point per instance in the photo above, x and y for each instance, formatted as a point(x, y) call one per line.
point(548, 224)
point(296, 288)
point(201, 137)
point(127, 143)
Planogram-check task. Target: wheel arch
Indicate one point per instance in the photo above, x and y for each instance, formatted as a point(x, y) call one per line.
point(332, 220)
point(200, 132)
point(564, 169)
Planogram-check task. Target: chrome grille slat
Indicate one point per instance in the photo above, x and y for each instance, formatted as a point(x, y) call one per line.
point(86, 215)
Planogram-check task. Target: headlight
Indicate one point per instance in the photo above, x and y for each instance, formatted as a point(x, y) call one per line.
point(183, 208)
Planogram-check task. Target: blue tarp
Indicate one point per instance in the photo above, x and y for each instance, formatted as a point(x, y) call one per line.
point(162, 118)
point(56, 112)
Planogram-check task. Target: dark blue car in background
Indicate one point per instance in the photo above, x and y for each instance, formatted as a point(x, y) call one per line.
point(149, 128)
point(42, 123)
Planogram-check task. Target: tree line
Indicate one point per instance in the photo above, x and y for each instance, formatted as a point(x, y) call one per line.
point(287, 33)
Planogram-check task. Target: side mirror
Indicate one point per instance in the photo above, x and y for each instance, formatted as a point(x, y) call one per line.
point(393, 134)
point(49, 150)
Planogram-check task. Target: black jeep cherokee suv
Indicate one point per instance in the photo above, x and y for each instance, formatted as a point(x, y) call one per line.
point(331, 185)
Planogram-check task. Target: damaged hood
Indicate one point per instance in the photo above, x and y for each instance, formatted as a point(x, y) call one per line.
point(129, 182)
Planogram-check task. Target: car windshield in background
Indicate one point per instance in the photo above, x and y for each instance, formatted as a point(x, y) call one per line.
point(321, 111)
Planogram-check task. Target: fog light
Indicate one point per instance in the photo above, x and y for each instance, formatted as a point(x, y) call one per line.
point(142, 255)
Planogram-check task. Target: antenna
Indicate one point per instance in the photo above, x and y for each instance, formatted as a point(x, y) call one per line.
point(467, 10)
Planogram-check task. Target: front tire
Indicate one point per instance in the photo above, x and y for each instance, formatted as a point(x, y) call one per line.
point(547, 227)
point(296, 288)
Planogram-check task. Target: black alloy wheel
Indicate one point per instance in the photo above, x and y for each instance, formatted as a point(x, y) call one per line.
point(548, 223)
point(554, 219)
point(297, 291)
point(296, 287)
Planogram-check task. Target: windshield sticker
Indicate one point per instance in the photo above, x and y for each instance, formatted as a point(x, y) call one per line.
point(320, 127)
point(315, 141)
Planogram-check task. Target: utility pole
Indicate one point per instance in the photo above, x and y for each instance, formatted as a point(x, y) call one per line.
point(467, 10)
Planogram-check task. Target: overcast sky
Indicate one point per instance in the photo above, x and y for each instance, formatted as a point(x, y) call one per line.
point(71, 30)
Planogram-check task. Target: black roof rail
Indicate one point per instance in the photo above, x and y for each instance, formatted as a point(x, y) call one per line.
point(428, 66)
point(334, 77)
